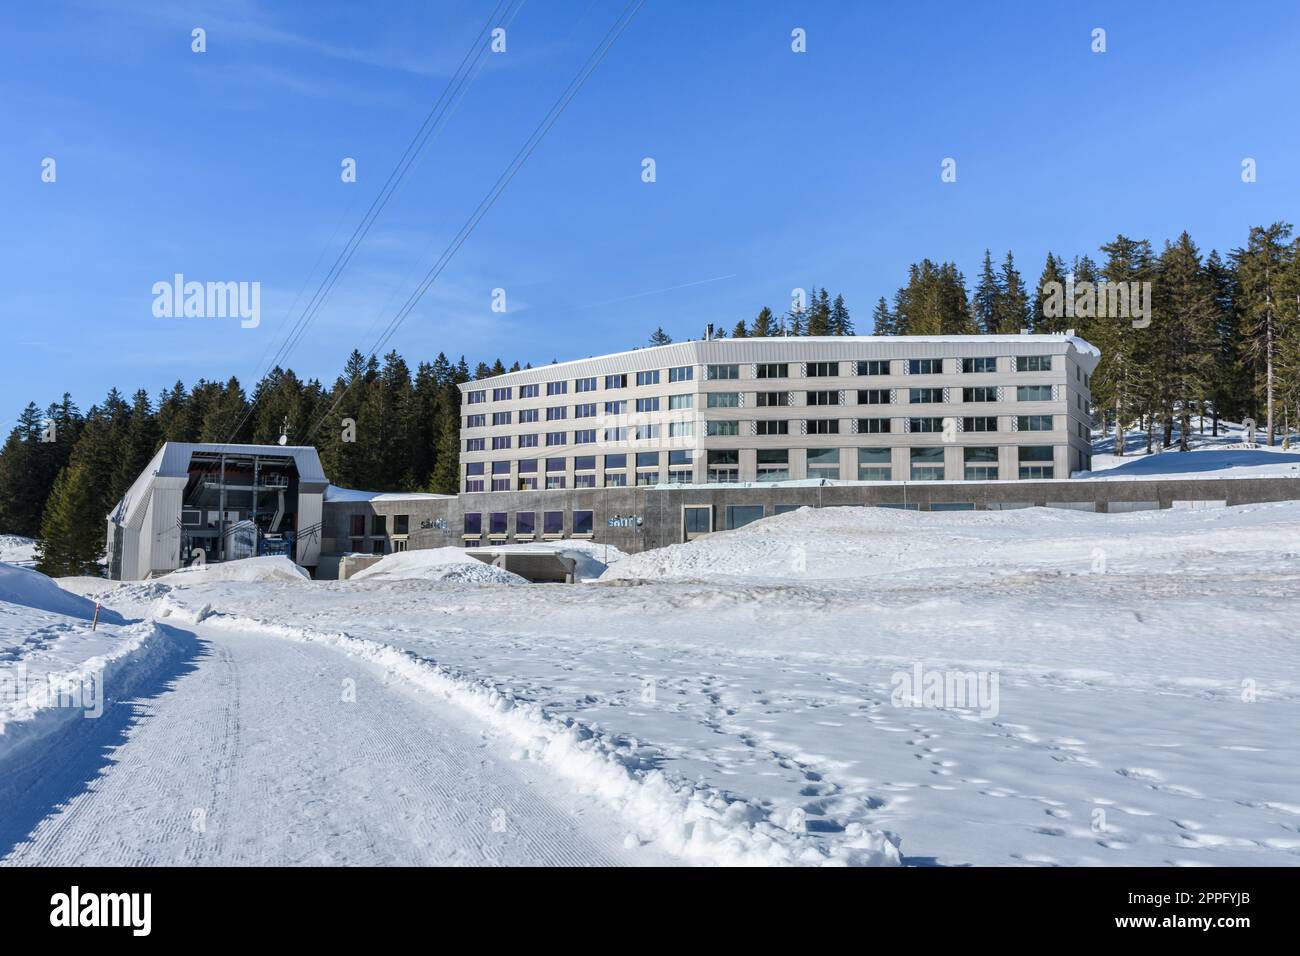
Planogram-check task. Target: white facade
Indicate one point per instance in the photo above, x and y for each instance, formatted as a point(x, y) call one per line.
point(874, 408)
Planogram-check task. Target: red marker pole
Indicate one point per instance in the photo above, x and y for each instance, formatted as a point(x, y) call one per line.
point(95, 623)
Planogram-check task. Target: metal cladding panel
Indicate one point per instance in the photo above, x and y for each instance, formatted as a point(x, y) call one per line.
point(165, 540)
point(310, 507)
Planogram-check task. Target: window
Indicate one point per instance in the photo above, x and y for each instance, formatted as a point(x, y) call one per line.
point(475, 398)
point(874, 367)
point(616, 408)
point(585, 384)
point(555, 464)
point(773, 464)
point(823, 369)
point(723, 465)
point(980, 424)
point(474, 468)
point(1034, 423)
point(1036, 461)
point(497, 522)
point(525, 522)
point(583, 522)
point(527, 441)
point(528, 466)
point(772, 427)
point(678, 458)
point(681, 429)
point(925, 396)
point(500, 418)
point(527, 484)
point(1033, 363)
point(553, 522)
point(647, 477)
point(723, 400)
point(616, 461)
point(584, 436)
point(615, 479)
point(471, 484)
point(616, 381)
point(501, 394)
point(401, 524)
point(927, 464)
point(648, 378)
point(874, 464)
point(379, 523)
point(647, 404)
point(823, 426)
point(642, 432)
point(1033, 393)
point(740, 515)
point(554, 438)
point(931, 366)
point(873, 426)
point(925, 424)
point(984, 364)
point(773, 370)
point(981, 464)
point(680, 401)
point(357, 524)
point(823, 398)
point(474, 444)
point(528, 391)
point(473, 525)
point(724, 371)
point(683, 373)
point(873, 396)
point(527, 415)
point(556, 413)
point(584, 481)
point(617, 434)
point(722, 428)
point(823, 463)
point(500, 442)
point(554, 481)
point(697, 519)
point(647, 459)
point(981, 393)
point(773, 399)
point(585, 411)
point(557, 388)
point(475, 421)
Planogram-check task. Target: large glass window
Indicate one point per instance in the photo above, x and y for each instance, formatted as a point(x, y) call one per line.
point(823, 463)
point(874, 367)
point(648, 378)
point(616, 408)
point(525, 522)
point(697, 519)
point(647, 459)
point(873, 396)
point(987, 423)
point(1033, 363)
point(616, 461)
point(724, 371)
point(1037, 461)
point(584, 463)
point(583, 522)
point(823, 426)
point(824, 398)
point(528, 391)
point(723, 400)
point(585, 384)
point(925, 424)
point(616, 381)
point(1034, 423)
point(873, 426)
point(553, 522)
point(723, 465)
point(927, 464)
point(773, 464)
point(823, 369)
point(722, 428)
point(683, 373)
point(528, 415)
point(874, 464)
point(497, 522)
point(981, 463)
point(555, 438)
point(740, 515)
point(585, 411)
point(925, 396)
point(500, 441)
point(557, 388)
point(980, 393)
point(555, 464)
point(584, 436)
point(929, 366)
point(773, 399)
point(773, 370)
point(680, 401)
point(772, 427)
point(647, 404)
point(473, 524)
point(529, 466)
point(985, 363)
point(501, 394)
point(556, 413)
point(500, 418)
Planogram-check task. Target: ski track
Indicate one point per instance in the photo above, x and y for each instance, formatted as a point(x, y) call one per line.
point(249, 754)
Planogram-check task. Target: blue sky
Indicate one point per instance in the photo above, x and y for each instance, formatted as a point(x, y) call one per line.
point(774, 169)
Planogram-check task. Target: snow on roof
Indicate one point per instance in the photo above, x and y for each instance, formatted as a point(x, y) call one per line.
point(333, 493)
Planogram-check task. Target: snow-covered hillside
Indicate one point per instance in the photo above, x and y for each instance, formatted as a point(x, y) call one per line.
point(764, 695)
point(15, 549)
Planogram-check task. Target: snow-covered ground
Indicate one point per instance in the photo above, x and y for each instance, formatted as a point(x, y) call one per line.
point(1229, 454)
point(16, 549)
point(768, 695)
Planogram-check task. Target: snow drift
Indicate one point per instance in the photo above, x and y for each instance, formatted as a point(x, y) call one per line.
point(249, 570)
point(435, 564)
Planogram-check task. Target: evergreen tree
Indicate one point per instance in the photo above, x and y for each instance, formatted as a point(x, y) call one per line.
point(841, 323)
point(73, 526)
point(740, 332)
point(1183, 334)
point(1011, 314)
point(819, 315)
point(1262, 268)
point(1052, 277)
point(660, 337)
point(764, 324)
point(984, 303)
point(882, 320)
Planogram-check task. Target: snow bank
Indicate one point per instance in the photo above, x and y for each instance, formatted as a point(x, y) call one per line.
point(53, 667)
point(435, 564)
point(692, 821)
point(15, 549)
point(31, 589)
point(269, 568)
point(591, 559)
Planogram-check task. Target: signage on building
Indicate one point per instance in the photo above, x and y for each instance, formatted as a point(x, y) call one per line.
point(625, 521)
